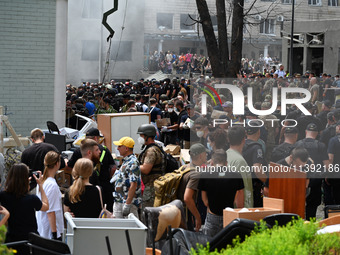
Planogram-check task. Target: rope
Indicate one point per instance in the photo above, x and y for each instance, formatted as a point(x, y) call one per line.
point(120, 39)
point(107, 61)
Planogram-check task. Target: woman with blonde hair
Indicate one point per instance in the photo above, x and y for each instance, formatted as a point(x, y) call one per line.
point(51, 222)
point(82, 199)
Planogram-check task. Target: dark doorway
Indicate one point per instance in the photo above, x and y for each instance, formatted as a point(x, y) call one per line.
point(297, 60)
point(317, 61)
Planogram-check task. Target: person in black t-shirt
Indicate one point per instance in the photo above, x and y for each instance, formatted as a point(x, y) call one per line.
point(34, 155)
point(82, 199)
point(219, 190)
point(283, 150)
point(21, 205)
point(318, 153)
point(334, 157)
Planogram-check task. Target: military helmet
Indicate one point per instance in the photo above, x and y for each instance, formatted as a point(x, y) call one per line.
point(147, 129)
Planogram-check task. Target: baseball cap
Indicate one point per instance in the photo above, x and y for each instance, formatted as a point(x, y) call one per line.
point(255, 126)
point(227, 104)
point(327, 103)
point(126, 141)
point(197, 149)
point(291, 130)
point(93, 132)
point(312, 127)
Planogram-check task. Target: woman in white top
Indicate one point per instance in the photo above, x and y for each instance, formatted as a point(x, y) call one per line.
point(51, 222)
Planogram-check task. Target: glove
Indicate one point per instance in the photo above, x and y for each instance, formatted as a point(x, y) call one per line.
point(164, 129)
point(126, 209)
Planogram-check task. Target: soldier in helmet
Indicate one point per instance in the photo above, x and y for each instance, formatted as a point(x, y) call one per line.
point(151, 162)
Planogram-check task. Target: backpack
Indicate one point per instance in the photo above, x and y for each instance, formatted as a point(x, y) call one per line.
point(139, 107)
point(166, 186)
point(171, 163)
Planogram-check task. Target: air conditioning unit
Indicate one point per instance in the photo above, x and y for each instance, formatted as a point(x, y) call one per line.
point(258, 17)
point(280, 18)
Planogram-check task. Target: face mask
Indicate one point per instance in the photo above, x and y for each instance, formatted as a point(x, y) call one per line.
point(200, 133)
point(209, 147)
point(170, 109)
point(141, 140)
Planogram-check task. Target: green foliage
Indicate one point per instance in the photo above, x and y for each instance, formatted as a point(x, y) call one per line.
point(297, 237)
point(3, 249)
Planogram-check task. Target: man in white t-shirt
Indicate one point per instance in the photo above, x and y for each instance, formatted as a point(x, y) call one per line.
point(281, 72)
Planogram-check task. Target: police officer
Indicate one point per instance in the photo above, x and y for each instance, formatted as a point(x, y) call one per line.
point(151, 162)
point(283, 150)
point(254, 155)
point(318, 153)
point(334, 158)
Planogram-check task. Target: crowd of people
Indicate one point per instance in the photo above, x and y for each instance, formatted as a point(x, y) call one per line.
point(171, 63)
point(233, 142)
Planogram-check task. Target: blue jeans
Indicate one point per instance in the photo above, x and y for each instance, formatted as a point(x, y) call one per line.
point(213, 224)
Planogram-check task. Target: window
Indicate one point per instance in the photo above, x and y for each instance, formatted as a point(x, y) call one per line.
point(164, 21)
point(91, 9)
point(186, 23)
point(333, 2)
point(90, 50)
point(267, 26)
point(124, 51)
point(314, 2)
point(287, 1)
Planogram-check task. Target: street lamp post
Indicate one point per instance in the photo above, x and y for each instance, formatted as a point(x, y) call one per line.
point(291, 41)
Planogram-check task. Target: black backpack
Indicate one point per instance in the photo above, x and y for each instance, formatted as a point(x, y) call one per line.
point(171, 163)
point(139, 107)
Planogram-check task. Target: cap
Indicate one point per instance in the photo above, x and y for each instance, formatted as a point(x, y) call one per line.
point(253, 127)
point(227, 104)
point(327, 103)
point(266, 105)
point(93, 132)
point(126, 141)
point(312, 127)
point(268, 97)
point(190, 106)
point(308, 105)
point(291, 130)
point(197, 149)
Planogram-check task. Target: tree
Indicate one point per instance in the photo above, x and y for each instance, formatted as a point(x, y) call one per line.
point(222, 64)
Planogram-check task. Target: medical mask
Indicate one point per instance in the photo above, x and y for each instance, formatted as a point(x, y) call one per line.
point(170, 109)
point(209, 147)
point(200, 133)
point(141, 140)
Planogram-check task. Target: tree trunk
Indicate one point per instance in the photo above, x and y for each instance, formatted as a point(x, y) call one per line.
point(237, 37)
point(210, 38)
point(222, 35)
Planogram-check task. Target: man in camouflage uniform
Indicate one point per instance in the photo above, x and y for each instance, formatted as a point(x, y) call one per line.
point(257, 87)
point(151, 162)
point(127, 181)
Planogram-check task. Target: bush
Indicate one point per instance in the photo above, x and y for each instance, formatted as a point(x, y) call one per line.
point(295, 238)
point(3, 248)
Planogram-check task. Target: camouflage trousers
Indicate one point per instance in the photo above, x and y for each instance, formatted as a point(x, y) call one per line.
point(149, 190)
